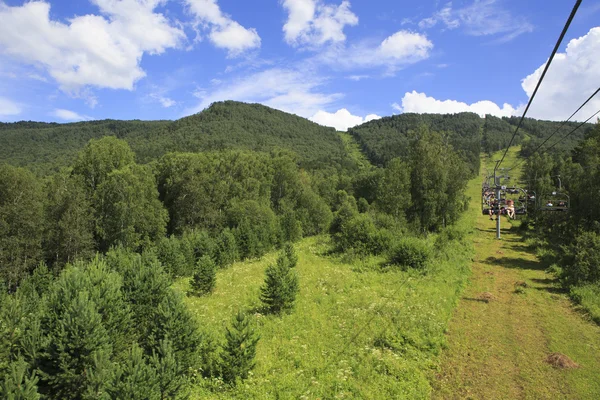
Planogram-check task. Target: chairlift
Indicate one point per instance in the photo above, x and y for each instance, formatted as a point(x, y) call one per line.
point(555, 201)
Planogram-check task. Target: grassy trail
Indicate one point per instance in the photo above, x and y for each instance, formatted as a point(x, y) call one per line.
point(497, 349)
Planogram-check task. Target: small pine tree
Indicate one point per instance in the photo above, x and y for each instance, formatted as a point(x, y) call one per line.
point(280, 288)
point(290, 253)
point(172, 382)
point(204, 279)
point(135, 379)
point(240, 350)
point(18, 384)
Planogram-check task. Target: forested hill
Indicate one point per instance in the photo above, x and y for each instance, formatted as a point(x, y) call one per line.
point(45, 147)
point(387, 138)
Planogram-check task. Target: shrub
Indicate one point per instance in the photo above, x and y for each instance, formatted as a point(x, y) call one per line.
point(410, 253)
point(581, 262)
point(171, 255)
point(205, 277)
point(359, 233)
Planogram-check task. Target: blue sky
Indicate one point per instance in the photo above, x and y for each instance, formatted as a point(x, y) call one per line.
point(336, 62)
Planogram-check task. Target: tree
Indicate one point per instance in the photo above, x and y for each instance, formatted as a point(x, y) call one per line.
point(172, 382)
point(204, 279)
point(290, 254)
point(240, 349)
point(135, 378)
point(99, 158)
point(227, 252)
point(21, 224)
point(69, 234)
point(77, 340)
point(394, 190)
point(128, 211)
point(18, 383)
point(281, 286)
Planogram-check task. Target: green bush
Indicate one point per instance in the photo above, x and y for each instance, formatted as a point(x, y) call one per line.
point(411, 253)
point(360, 234)
point(240, 349)
point(581, 262)
point(280, 288)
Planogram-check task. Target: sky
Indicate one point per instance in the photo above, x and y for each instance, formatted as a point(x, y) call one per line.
point(337, 62)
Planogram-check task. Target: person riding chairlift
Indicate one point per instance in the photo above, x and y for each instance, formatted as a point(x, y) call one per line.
point(510, 210)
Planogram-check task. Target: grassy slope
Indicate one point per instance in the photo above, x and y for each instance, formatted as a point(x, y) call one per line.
point(497, 349)
point(356, 332)
point(353, 150)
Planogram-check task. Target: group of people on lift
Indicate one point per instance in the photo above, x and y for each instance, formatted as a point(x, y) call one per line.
point(497, 207)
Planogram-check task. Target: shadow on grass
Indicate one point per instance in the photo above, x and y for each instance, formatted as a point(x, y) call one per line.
point(515, 263)
point(475, 299)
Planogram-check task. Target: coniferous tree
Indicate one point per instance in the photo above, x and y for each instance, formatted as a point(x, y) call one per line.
point(226, 252)
point(240, 349)
point(281, 286)
point(18, 383)
point(76, 342)
point(135, 378)
point(290, 254)
point(172, 382)
point(204, 279)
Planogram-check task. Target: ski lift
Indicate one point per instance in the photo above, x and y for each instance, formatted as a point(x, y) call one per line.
point(556, 201)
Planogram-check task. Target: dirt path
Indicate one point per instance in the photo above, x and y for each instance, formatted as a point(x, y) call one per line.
point(497, 349)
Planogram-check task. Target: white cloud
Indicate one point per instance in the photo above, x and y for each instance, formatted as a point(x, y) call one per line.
point(573, 76)
point(164, 101)
point(224, 33)
point(341, 120)
point(68, 115)
point(394, 52)
point(89, 50)
point(480, 18)
point(414, 102)
point(288, 90)
point(8, 108)
point(312, 23)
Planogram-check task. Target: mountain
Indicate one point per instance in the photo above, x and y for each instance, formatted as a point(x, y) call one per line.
point(45, 147)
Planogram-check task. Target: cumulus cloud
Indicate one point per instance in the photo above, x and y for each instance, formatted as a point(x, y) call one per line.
point(91, 50)
point(288, 90)
point(224, 32)
point(8, 108)
point(341, 120)
point(312, 23)
point(68, 115)
point(573, 76)
point(480, 18)
point(421, 103)
point(394, 52)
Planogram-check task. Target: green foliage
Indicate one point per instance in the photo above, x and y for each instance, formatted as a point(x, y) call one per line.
point(173, 257)
point(226, 251)
point(69, 232)
point(21, 224)
point(18, 383)
point(128, 211)
point(411, 253)
point(172, 382)
point(77, 340)
point(291, 228)
point(239, 351)
point(101, 157)
point(205, 278)
point(581, 263)
point(135, 378)
point(360, 235)
point(387, 138)
point(291, 255)
point(281, 286)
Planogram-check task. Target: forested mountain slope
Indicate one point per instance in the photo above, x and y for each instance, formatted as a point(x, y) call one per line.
point(227, 125)
point(389, 137)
